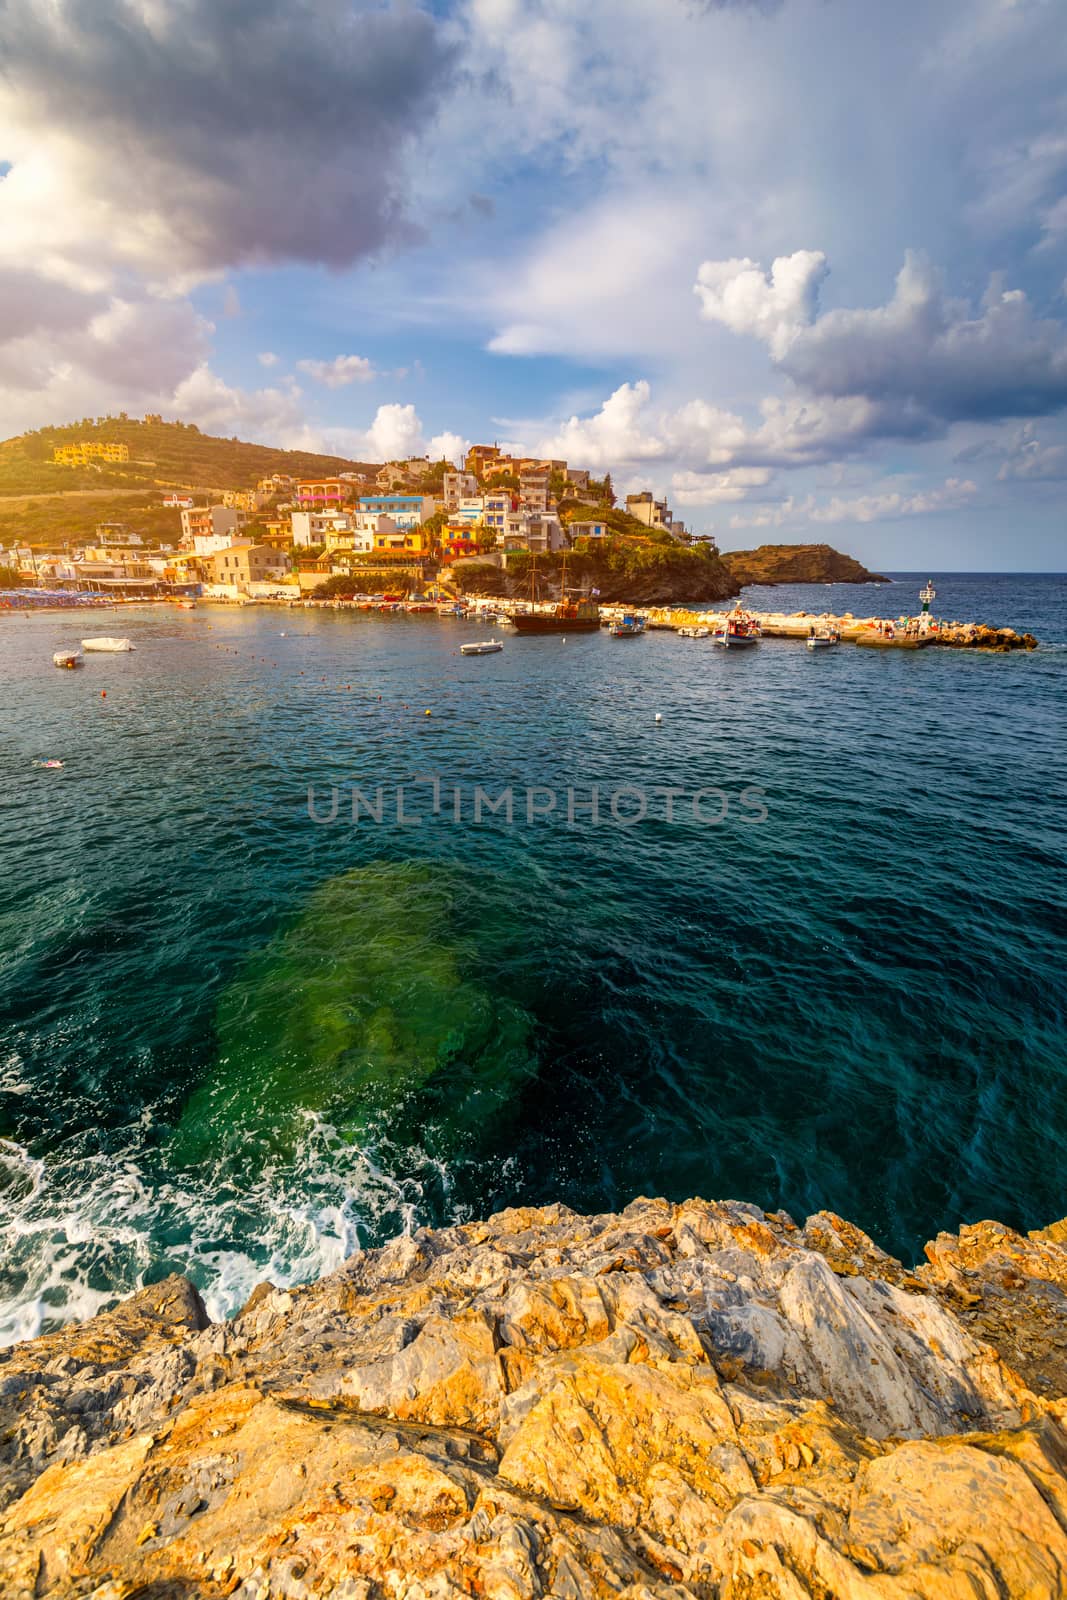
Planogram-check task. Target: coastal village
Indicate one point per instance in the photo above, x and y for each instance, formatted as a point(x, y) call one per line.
point(392, 529)
point(491, 539)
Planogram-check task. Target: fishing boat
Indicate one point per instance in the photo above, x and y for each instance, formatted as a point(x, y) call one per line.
point(823, 639)
point(569, 616)
point(67, 658)
point(487, 647)
point(628, 627)
point(693, 633)
point(109, 646)
point(737, 630)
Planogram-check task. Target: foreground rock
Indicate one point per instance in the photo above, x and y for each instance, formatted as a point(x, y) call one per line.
point(796, 563)
point(696, 1400)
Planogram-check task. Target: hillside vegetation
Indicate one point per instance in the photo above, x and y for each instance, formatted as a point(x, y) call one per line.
point(44, 503)
point(162, 454)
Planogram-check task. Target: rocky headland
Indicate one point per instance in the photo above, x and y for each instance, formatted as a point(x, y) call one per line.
point(661, 573)
point(679, 1402)
point(796, 563)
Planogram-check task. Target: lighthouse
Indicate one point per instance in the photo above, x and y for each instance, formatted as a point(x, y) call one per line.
point(926, 595)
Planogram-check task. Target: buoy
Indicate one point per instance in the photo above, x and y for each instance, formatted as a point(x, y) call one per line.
point(658, 717)
point(103, 694)
point(429, 713)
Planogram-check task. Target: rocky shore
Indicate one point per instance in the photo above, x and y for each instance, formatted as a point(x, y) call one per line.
point(696, 1400)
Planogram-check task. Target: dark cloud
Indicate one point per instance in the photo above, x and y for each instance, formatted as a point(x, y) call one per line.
point(30, 304)
point(931, 356)
point(257, 130)
point(766, 6)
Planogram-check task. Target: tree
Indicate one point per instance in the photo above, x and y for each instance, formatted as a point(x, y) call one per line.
point(10, 578)
point(342, 586)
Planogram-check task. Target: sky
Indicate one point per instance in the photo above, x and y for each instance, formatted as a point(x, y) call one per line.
point(799, 265)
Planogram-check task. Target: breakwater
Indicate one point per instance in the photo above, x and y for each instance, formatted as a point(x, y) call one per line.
point(798, 624)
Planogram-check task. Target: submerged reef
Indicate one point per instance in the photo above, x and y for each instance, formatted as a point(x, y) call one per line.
point(678, 1402)
point(368, 1003)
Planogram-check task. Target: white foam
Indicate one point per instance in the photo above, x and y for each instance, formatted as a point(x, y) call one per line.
point(80, 1231)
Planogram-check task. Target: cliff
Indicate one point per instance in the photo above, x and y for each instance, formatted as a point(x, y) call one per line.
point(642, 573)
point(796, 563)
point(675, 1403)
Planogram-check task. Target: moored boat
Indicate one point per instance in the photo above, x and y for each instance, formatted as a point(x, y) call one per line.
point(108, 646)
point(628, 627)
point(823, 639)
point(487, 647)
point(569, 616)
point(67, 658)
point(693, 633)
point(737, 630)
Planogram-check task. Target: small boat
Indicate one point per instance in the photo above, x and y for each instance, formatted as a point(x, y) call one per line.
point(693, 633)
point(824, 639)
point(488, 647)
point(110, 646)
point(628, 627)
point(737, 630)
point(67, 658)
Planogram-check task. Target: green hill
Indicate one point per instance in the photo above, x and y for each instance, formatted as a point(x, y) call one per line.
point(42, 502)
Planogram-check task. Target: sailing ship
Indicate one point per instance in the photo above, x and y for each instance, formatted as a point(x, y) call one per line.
point(737, 629)
point(569, 616)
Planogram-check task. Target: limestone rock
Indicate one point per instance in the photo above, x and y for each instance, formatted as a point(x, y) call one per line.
point(679, 1402)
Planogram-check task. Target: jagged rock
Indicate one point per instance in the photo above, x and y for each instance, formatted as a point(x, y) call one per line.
point(674, 1403)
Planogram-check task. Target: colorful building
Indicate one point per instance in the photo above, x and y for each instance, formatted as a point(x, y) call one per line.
point(320, 492)
point(87, 451)
point(406, 510)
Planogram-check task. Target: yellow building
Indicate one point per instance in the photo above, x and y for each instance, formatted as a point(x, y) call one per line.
point(88, 451)
point(403, 542)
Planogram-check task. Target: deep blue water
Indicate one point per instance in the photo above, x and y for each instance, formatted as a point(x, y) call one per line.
point(856, 1003)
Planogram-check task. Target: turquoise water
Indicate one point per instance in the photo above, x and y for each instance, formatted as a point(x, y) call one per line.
point(237, 1043)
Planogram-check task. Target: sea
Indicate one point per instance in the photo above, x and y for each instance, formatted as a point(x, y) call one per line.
point(280, 976)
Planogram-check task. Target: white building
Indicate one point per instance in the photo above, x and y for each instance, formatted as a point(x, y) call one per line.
point(211, 520)
point(209, 544)
point(457, 486)
point(534, 530)
point(312, 527)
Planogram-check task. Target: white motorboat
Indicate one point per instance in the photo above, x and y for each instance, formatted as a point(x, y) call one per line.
point(111, 646)
point(487, 647)
point(67, 658)
point(825, 639)
point(693, 633)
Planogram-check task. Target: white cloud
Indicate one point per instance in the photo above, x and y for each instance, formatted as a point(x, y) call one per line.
point(395, 434)
point(269, 415)
point(611, 278)
point(1029, 459)
point(267, 358)
point(722, 488)
point(340, 371)
point(952, 495)
point(66, 353)
point(773, 307)
point(618, 434)
point(448, 447)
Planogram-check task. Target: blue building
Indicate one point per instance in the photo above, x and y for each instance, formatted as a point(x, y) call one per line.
point(406, 510)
